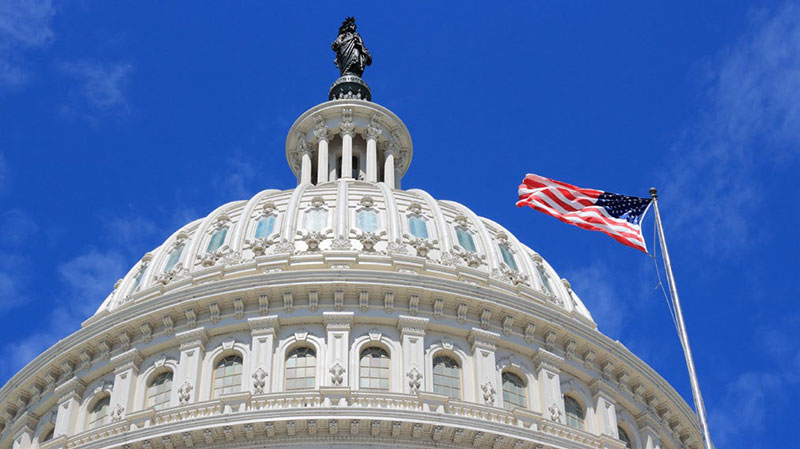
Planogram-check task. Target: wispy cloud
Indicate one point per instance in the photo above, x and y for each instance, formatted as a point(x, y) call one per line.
point(24, 25)
point(17, 228)
point(601, 296)
point(751, 124)
point(237, 180)
point(101, 89)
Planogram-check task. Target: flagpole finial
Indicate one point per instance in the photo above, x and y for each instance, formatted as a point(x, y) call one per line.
point(653, 192)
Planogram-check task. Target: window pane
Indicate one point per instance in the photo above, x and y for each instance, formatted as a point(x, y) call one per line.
point(174, 257)
point(508, 258)
point(465, 239)
point(513, 391)
point(574, 413)
point(447, 377)
point(217, 240)
point(418, 227)
point(623, 436)
point(316, 219)
point(158, 392)
point(98, 413)
point(367, 220)
point(301, 366)
point(227, 375)
point(545, 280)
point(265, 226)
point(374, 371)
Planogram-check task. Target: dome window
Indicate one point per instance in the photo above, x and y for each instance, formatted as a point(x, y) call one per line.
point(367, 220)
point(227, 376)
point(465, 239)
point(508, 257)
point(418, 227)
point(217, 239)
point(447, 377)
point(574, 412)
point(316, 219)
point(138, 280)
point(374, 369)
point(546, 287)
point(265, 226)
point(174, 257)
point(98, 413)
point(513, 391)
point(301, 369)
point(159, 389)
point(623, 436)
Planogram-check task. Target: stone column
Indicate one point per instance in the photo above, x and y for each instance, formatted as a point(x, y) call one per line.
point(337, 365)
point(373, 132)
point(305, 166)
point(262, 351)
point(648, 433)
point(24, 428)
point(483, 358)
point(126, 369)
point(388, 167)
point(186, 385)
point(412, 337)
point(549, 380)
point(347, 128)
point(322, 135)
point(605, 411)
point(69, 402)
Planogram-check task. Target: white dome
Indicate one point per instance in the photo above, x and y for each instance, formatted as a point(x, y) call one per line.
point(496, 259)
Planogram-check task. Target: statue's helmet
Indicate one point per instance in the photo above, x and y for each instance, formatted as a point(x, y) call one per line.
point(348, 25)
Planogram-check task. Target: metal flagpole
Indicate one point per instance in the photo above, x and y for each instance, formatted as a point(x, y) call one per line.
point(684, 337)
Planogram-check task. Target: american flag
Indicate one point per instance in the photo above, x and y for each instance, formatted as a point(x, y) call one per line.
point(619, 216)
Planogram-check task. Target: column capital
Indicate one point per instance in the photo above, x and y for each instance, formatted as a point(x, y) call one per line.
point(412, 325)
point(263, 325)
point(337, 320)
point(346, 126)
point(196, 337)
point(71, 387)
point(546, 360)
point(373, 130)
point(25, 423)
point(303, 147)
point(601, 388)
point(482, 339)
point(126, 360)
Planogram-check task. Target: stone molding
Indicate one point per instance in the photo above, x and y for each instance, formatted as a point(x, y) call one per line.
point(192, 338)
point(411, 325)
point(337, 320)
point(263, 325)
point(483, 339)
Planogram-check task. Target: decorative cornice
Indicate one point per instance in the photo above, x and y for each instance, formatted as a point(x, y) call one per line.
point(482, 339)
point(131, 358)
point(411, 325)
point(73, 386)
point(192, 338)
point(544, 359)
point(337, 320)
point(263, 325)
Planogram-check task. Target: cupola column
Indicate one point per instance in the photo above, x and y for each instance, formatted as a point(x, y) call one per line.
point(412, 334)
point(548, 376)
point(483, 356)
point(373, 132)
point(185, 388)
point(305, 163)
point(388, 167)
point(347, 128)
point(322, 135)
point(263, 331)
point(125, 372)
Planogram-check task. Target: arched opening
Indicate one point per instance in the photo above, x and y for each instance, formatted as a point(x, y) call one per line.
point(574, 412)
point(514, 394)
point(374, 369)
point(98, 412)
point(159, 390)
point(227, 375)
point(301, 369)
point(447, 376)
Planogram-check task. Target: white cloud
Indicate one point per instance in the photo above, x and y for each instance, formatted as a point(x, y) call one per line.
point(237, 181)
point(751, 125)
point(101, 89)
point(596, 288)
point(89, 278)
point(742, 411)
point(24, 24)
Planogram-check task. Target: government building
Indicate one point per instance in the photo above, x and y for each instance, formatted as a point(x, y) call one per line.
point(345, 312)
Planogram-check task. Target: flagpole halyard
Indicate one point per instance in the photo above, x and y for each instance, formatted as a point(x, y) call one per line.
point(682, 335)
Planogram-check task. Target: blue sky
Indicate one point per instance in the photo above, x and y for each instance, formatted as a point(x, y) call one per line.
point(121, 122)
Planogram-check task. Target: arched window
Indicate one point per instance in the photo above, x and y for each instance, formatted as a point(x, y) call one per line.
point(159, 389)
point(465, 239)
point(217, 240)
point(447, 376)
point(374, 369)
point(574, 413)
point(418, 227)
point(623, 436)
point(265, 226)
point(367, 220)
point(227, 376)
point(508, 257)
point(174, 257)
point(513, 391)
point(316, 219)
point(545, 280)
point(138, 279)
point(98, 413)
point(301, 369)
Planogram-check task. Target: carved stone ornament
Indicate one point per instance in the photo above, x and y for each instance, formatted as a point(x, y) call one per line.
point(185, 392)
point(224, 255)
point(337, 374)
point(421, 245)
point(341, 244)
point(506, 274)
point(471, 258)
point(555, 412)
point(366, 202)
point(259, 381)
point(489, 393)
point(368, 239)
point(176, 273)
point(397, 248)
point(451, 259)
point(415, 208)
point(313, 239)
point(414, 380)
point(283, 247)
point(260, 246)
point(117, 412)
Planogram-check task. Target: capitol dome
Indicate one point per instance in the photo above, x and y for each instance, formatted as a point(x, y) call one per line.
point(344, 312)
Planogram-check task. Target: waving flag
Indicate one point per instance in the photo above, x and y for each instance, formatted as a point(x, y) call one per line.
point(619, 216)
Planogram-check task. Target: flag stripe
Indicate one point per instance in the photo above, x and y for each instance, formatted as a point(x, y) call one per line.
point(618, 216)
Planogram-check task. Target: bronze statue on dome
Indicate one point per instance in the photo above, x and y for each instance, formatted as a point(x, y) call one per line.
point(351, 54)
